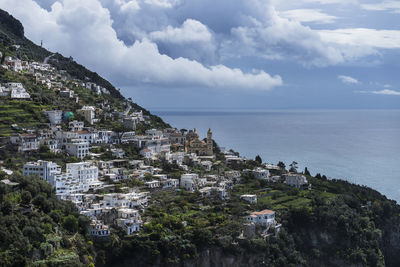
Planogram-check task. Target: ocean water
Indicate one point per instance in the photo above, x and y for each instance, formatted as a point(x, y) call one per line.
point(361, 146)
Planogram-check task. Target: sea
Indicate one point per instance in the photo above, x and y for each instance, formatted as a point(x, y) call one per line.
point(361, 146)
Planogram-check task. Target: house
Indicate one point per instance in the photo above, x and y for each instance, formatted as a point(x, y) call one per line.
point(249, 198)
point(192, 182)
point(77, 148)
point(19, 93)
point(98, 229)
point(175, 137)
point(130, 122)
point(55, 116)
point(296, 180)
point(153, 184)
point(213, 191)
point(46, 170)
point(264, 217)
point(89, 113)
point(76, 126)
point(52, 144)
point(128, 137)
point(118, 152)
point(207, 165)
point(66, 93)
point(26, 142)
point(260, 173)
point(86, 174)
point(130, 220)
point(105, 136)
point(233, 175)
point(170, 183)
point(147, 153)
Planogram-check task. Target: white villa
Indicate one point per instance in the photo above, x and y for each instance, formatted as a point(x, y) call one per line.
point(296, 180)
point(249, 198)
point(264, 217)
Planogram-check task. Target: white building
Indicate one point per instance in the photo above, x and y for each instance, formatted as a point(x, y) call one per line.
point(86, 174)
point(260, 173)
point(98, 229)
point(19, 93)
point(170, 183)
point(55, 116)
point(264, 217)
point(128, 137)
point(249, 198)
point(233, 175)
point(26, 142)
point(296, 180)
point(76, 126)
point(130, 220)
point(66, 184)
point(192, 182)
point(46, 170)
point(118, 153)
point(88, 112)
point(153, 184)
point(77, 148)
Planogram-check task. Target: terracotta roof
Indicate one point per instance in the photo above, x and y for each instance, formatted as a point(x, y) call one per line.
point(263, 212)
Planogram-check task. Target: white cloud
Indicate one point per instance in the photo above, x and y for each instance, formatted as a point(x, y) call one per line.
point(394, 6)
point(362, 37)
point(210, 31)
point(326, 2)
point(347, 79)
point(130, 6)
point(308, 15)
point(191, 31)
point(386, 92)
point(83, 29)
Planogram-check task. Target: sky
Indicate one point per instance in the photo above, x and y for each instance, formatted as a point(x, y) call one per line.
point(225, 54)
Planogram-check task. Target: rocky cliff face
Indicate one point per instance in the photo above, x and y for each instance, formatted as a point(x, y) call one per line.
point(214, 257)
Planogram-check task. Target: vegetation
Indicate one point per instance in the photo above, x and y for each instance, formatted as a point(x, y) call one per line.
point(35, 227)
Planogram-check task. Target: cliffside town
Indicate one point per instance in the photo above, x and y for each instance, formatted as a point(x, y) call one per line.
point(91, 178)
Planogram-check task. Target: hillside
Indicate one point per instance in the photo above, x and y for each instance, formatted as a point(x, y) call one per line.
point(13, 43)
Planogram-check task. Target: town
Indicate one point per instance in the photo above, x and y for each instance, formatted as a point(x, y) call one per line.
point(102, 163)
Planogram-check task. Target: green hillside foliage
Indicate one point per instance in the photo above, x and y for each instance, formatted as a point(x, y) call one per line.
point(37, 229)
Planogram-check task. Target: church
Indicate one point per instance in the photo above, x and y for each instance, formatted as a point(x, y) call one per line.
point(194, 145)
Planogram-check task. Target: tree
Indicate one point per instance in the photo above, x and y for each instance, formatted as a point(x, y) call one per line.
point(293, 167)
point(306, 172)
point(281, 165)
point(26, 197)
point(70, 223)
point(258, 159)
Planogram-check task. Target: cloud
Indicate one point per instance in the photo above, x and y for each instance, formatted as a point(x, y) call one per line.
point(347, 79)
point(213, 32)
point(386, 92)
point(362, 37)
point(308, 15)
point(381, 92)
point(191, 31)
point(393, 6)
point(84, 30)
point(327, 2)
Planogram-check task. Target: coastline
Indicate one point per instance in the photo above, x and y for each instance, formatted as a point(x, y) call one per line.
point(353, 167)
